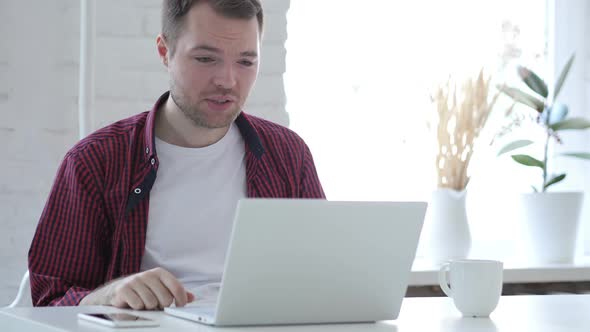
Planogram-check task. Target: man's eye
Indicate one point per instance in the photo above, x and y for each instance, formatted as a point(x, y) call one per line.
point(204, 59)
point(246, 63)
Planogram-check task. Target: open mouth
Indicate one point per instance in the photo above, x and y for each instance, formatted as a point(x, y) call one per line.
point(220, 102)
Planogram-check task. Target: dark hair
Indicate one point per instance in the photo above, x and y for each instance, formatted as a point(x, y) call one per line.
point(174, 12)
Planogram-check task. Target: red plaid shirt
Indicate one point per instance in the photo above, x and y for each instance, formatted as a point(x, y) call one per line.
point(93, 227)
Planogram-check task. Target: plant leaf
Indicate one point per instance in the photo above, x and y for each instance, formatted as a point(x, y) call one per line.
point(528, 160)
point(573, 123)
point(534, 189)
point(514, 145)
point(563, 75)
point(581, 155)
point(523, 97)
point(554, 180)
point(533, 81)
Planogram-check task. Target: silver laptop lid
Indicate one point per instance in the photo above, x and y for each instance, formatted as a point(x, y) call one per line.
point(316, 261)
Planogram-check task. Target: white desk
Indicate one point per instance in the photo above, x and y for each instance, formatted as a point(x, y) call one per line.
point(552, 313)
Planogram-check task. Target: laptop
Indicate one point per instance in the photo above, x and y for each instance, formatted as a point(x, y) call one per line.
point(310, 261)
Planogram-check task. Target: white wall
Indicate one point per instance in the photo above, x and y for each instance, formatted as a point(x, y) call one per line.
point(569, 20)
point(585, 58)
point(39, 88)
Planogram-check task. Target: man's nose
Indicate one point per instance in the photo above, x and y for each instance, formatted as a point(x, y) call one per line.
point(225, 77)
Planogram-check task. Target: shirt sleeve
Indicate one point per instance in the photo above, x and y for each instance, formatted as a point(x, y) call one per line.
point(68, 254)
point(311, 186)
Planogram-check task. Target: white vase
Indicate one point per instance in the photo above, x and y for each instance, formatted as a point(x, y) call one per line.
point(551, 224)
point(448, 234)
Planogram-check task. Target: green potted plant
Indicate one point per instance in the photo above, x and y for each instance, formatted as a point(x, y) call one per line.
point(552, 217)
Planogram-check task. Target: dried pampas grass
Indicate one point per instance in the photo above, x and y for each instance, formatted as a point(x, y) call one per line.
point(461, 115)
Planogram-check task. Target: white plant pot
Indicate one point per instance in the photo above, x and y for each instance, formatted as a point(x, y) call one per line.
point(447, 228)
point(551, 224)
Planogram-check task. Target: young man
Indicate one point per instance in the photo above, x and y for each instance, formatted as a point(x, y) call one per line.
point(112, 233)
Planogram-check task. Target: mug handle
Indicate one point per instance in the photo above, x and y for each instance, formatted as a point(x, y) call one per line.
point(443, 281)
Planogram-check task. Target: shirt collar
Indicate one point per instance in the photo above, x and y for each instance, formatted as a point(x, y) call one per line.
point(249, 133)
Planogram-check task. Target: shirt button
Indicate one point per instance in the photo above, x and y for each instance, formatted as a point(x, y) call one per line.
point(153, 161)
point(137, 191)
point(147, 150)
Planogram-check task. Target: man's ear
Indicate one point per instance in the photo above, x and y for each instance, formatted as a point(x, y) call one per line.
point(163, 49)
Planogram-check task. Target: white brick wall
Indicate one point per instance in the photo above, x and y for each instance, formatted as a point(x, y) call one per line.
point(39, 88)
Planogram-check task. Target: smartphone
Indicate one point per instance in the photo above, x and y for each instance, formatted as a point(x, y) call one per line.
point(118, 319)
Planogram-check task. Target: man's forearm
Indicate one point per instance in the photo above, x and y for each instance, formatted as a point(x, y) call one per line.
point(95, 298)
point(100, 296)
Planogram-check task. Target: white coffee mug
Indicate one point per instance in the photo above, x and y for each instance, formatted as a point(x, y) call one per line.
point(475, 285)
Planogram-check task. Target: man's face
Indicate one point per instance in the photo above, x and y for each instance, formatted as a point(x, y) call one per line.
point(214, 66)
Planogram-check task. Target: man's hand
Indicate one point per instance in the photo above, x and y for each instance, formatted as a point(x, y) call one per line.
point(152, 289)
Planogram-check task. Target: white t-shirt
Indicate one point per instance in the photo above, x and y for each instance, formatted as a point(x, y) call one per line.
point(192, 204)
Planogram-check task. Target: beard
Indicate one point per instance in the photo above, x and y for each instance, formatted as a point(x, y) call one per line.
point(199, 115)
